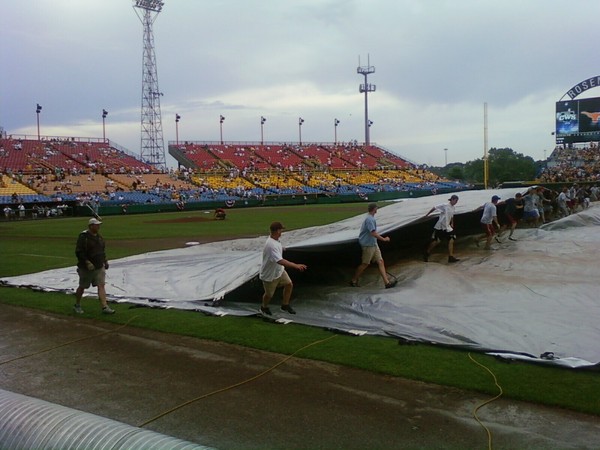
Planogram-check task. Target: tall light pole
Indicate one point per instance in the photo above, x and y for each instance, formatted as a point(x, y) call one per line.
point(104, 114)
point(445, 157)
point(262, 124)
point(335, 125)
point(152, 143)
point(221, 120)
point(486, 167)
point(366, 88)
point(300, 122)
point(177, 119)
point(38, 110)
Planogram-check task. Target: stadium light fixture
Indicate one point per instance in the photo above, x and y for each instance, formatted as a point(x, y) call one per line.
point(104, 114)
point(335, 125)
point(177, 118)
point(38, 110)
point(262, 123)
point(221, 120)
point(300, 122)
point(150, 5)
point(365, 88)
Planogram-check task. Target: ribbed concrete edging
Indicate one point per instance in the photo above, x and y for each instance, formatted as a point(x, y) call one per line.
point(29, 423)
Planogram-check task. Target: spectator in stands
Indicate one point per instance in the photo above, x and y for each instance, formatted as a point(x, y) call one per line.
point(367, 238)
point(443, 229)
point(91, 265)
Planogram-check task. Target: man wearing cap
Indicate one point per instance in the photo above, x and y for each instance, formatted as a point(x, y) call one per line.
point(489, 218)
point(91, 265)
point(367, 238)
point(272, 271)
point(513, 211)
point(443, 229)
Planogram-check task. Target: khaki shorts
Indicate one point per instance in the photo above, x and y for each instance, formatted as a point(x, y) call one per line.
point(91, 277)
point(271, 286)
point(371, 254)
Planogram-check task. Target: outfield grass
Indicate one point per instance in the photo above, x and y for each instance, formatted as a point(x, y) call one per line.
point(32, 246)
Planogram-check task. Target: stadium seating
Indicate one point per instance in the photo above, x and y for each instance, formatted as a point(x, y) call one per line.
point(81, 169)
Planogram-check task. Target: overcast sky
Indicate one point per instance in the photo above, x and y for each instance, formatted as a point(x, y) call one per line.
point(436, 63)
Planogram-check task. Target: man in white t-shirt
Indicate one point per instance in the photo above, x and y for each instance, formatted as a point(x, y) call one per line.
point(489, 223)
point(562, 201)
point(443, 229)
point(272, 271)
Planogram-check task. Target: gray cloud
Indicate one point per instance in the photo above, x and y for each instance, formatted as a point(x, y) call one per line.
point(436, 63)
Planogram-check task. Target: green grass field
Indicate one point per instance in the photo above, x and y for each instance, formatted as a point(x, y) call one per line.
point(32, 246)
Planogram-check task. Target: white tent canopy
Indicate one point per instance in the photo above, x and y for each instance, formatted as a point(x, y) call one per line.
point(531, 297)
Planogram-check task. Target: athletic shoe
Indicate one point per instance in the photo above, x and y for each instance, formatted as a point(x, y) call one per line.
point(108, 310)
point(512, 239)
point(353, 283)
point(426, 257)
point(288, 308)
point(391, 284)
point(77, 309)
point(266, 311)
point(452, 259)
point(498, 240)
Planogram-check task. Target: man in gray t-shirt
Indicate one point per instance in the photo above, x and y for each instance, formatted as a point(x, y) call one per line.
point(367, 238)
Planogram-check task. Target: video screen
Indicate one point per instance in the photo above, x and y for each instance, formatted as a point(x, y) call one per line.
point(567, 115)
point(589, 115)
point(578, 121)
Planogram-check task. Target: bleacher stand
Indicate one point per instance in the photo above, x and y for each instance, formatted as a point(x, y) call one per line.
point(55, 170)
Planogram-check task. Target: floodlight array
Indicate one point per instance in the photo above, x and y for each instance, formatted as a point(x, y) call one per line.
point(151, 5)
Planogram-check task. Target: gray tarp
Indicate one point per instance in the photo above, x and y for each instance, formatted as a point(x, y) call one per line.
point(532, 296)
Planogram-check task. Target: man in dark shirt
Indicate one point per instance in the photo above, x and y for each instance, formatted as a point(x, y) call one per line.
point(513, 211)
point(91, 265)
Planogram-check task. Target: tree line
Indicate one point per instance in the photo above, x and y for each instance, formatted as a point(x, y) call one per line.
point(504, 164)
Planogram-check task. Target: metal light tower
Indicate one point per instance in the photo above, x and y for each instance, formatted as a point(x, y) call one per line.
point(262, 124)
point(300, 122)
point(177, 119)
point(366, 88)
point(152, 144)
point(335, 125)
point(104, 114)
point(221, 120)
point(38, 110)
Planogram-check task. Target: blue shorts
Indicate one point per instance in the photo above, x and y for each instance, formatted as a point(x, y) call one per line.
point(534, 214)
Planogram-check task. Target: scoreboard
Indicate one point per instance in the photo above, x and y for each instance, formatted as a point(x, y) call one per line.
point(578, 121)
